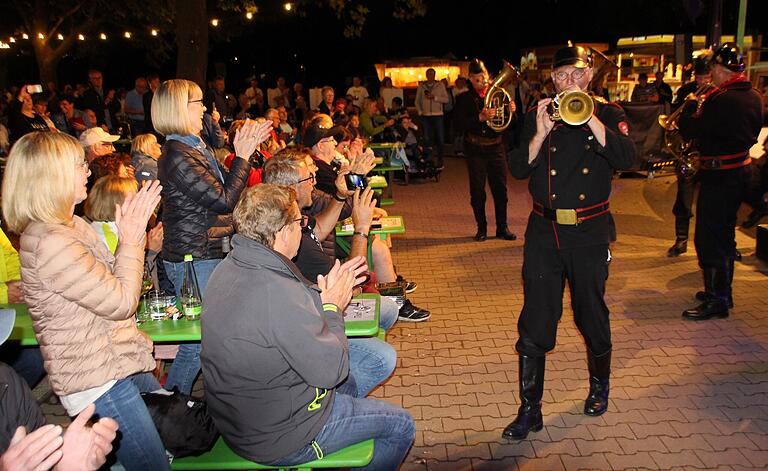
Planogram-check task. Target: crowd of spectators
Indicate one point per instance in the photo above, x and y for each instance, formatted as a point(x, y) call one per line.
point(103, 188)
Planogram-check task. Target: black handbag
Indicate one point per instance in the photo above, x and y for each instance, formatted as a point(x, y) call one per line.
point(182, 421)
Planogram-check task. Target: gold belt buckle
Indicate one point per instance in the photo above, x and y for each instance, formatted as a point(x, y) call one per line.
point(567, 217)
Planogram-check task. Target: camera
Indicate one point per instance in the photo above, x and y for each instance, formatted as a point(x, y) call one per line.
point(355, 181)
point(32, 89)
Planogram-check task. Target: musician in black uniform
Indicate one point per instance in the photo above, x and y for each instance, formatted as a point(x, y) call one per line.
point(686, 178)
point(570, 170)
point(725, 126)
point(484, 151)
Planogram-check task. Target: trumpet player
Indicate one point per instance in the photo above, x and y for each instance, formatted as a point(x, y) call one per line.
point(484, 152)
point(570, 167)
point(725, 123)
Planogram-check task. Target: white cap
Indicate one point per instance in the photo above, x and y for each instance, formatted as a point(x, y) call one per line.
point(7, 319)
point(95, 135)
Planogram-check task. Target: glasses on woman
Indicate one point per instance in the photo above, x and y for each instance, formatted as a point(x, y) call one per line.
point(575, 74)
point(195, 101)
point(83, 165)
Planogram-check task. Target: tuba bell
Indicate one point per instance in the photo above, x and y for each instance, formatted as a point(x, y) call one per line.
point(573, 107)
point(498, 99)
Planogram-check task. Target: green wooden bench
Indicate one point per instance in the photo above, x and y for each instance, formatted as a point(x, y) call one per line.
point(221, 457)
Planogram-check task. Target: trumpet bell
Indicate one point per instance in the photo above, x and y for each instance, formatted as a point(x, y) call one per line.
point(576, 108)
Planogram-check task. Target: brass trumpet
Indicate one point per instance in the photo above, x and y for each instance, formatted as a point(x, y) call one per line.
point(498, 99)
point(675, 144)
point(573, 107)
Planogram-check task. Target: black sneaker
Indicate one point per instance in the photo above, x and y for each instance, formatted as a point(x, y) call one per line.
point(411, 313)
point(409, 286)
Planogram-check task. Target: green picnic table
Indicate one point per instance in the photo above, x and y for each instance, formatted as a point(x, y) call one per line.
point(387, 225)
point(179, 331)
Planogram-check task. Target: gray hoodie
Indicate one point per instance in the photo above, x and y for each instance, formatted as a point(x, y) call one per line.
point(271, 356)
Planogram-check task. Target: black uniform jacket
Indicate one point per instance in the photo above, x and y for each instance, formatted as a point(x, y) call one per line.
point(729, 122)
point(466, 115)
point(572, 170)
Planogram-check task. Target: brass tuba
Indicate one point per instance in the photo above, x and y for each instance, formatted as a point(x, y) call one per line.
point(498, 99)
point(674, 142)
point(573, 107)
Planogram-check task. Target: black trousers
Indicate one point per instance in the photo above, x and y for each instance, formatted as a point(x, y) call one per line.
point(720, 195)
point(544, 273)
point(487, 163)
point(683, 207)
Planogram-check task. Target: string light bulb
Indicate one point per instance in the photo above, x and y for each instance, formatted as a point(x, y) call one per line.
point(40, 36)
point(248, 15)
point(25, 36)
point(60, 37)
point(12, 40)
point(81, 37)
point(215, 22)
point(153, 32)
point(127, 35)
point(103, 37)
point(288, 6)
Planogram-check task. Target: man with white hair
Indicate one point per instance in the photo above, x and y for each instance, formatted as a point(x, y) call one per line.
point(97, 142)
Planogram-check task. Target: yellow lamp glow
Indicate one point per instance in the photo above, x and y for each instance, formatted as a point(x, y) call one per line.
point(215, 22)
point(103, 37)
point(288, 6)
point(153, 32)
point(60, 37)
point(249, 16)
point(81, 37)
point(40, 36)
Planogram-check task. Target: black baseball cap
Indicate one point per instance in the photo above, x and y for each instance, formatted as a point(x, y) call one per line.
point(317, 132)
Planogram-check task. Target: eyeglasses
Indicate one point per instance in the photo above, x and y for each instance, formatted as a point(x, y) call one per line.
point(195, 101)
point(576, 74)
point(310, 178)
point(302, 221)
point(83, 165)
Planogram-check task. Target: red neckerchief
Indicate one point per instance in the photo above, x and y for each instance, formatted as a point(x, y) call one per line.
point(715, 89)
point(483, 91)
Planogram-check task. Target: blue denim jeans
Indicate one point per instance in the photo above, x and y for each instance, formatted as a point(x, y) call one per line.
point(138, 445)
point(388, 312)
point(354, 420)
point(186, 365)
point(434, 133)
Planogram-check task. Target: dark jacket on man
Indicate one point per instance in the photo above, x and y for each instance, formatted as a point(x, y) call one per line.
point(197, 205)
point(18, 406)
point(271, 356)
point(573, 171)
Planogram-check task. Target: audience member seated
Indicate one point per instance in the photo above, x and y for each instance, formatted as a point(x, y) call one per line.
point(283, 397)
point(70, 120)
point(27, 443)
point(198, 198)
point(145, 151)
point(326, 106)
point(81, 298)
point(97, 142)
point(371, 360)
point(372, 123)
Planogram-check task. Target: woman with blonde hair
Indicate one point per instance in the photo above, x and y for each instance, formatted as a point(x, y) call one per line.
point(198, 197)
point(144, 154)
point(81, 298)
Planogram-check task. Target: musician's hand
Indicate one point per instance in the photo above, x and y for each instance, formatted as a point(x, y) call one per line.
point(544, 123)
point(512, 107)
point(485, 114)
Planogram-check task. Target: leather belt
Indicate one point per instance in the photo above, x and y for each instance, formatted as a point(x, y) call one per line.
point(570, 217)
point(725, 162)
point(482, 141)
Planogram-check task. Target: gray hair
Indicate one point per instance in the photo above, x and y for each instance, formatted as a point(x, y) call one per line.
point(283, 168)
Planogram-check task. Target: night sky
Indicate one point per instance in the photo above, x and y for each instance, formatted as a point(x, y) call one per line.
point(278, 43)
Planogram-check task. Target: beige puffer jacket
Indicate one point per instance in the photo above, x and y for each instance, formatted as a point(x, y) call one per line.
point(82, 301)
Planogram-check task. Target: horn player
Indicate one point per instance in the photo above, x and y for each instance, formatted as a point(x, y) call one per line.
point(569, 168)
point(725, 126)
point(484, 152)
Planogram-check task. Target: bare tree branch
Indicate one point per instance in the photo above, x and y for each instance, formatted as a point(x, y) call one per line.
point(63, 17)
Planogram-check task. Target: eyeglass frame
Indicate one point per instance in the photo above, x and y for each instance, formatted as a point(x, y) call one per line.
point(565, 75)
point(310, 178)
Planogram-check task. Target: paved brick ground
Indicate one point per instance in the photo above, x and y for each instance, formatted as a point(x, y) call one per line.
point(684, 395)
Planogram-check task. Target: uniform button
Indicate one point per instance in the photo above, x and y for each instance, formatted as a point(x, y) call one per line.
point(553, 197)
point(553, 149)
point(585, 170)
point(553, 172)
point(582, 197)
point(586, 147)
point(590, 137)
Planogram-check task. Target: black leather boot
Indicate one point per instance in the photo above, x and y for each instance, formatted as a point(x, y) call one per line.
point(755, 217)
point(531, 374)
point(704, 295)
point(502, 232)
point(679, 247)
point(599, 384)
point(481, 235)
point(717, 286)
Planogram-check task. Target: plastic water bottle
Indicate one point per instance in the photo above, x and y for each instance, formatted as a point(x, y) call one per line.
point(191, 301)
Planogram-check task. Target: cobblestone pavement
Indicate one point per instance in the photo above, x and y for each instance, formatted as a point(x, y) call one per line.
point(684, 395)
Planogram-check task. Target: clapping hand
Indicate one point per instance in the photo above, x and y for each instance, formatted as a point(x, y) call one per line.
point(132, 216)
point(37, 451)
point(363, 206)
point(249, 136)
point(336, 286)
point(362, 164)
point(86, 447)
